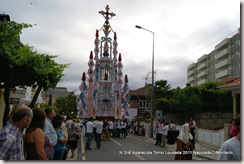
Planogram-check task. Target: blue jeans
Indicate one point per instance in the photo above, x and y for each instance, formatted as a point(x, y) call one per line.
point(89, 140)
point(58, 154)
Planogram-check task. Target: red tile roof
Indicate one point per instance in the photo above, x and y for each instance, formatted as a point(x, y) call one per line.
point(233, 82)
point(141, 91)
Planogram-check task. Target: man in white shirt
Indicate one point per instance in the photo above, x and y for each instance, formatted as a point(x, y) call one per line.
point(89, 131)
point(160, 133)
point(99, 129)
point(110, 128)
point(123, 129)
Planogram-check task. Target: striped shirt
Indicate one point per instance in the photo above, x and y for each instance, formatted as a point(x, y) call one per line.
point(11, 143)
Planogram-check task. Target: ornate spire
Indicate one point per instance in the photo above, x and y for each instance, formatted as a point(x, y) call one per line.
point(106, 29)
point(107, 15)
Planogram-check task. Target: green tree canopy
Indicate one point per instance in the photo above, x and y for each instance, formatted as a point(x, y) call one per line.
point(162, 89)
point(67, 105)
point(48, 73)
point(22, 66)
point(192, 100)
point(13, 61)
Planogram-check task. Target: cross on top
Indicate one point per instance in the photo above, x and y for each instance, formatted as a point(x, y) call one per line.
point(107, 14)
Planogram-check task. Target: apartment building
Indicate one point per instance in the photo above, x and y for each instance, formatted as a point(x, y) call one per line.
point(223, 62)
point(56, 93)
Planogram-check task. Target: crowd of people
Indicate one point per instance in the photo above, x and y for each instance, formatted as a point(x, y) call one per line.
point(104, 129)
point(37, 134)
point(165, 131)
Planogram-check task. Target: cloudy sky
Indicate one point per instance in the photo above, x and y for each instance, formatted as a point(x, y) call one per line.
point(184, 31)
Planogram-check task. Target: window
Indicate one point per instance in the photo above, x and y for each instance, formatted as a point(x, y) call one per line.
point(237, 42)
point(238, 54)
point(144, 104)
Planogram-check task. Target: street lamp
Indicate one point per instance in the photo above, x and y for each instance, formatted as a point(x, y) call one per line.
point(152, 89)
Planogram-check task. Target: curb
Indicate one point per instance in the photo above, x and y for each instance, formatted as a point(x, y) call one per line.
point(208, 158)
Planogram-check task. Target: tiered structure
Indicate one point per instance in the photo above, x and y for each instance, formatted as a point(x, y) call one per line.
point(104, 94)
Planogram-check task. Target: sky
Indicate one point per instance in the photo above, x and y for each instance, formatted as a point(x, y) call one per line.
point(184, 30)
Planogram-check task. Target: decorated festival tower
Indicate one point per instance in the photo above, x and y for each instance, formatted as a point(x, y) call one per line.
point(101, 88)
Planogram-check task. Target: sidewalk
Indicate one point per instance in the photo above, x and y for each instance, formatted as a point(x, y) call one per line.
point(78, 152)
point(68, 158)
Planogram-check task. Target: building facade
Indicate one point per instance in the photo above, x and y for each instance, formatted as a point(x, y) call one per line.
point(223, 62)
point(139, 100)
point(54, 93)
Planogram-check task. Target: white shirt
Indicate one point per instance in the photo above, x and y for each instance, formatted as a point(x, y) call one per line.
point(160, 130)
point(123, 124)
point(110, 125)
point(172, 127)
point(230, 150)
point(119, 125)
point(99, 127)
point(50, 132)
point(89, 127)
point(67, 123)
point(165, 130)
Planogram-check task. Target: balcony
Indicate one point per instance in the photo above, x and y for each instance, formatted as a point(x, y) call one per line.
point(201, 66)
point(222, 43)
point(202, 59)
point(222, 53)
point(202, 81)
point(190, 79)
point(223, 63)
point(190, 72)
point(201, 74)
point(191, 66)
point(223, 73)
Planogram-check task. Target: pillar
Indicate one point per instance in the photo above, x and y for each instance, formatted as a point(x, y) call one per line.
point(234, 105)
point(226, 131)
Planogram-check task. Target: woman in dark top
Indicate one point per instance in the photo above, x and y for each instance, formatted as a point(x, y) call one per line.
point(32, 153)
point(37, 144)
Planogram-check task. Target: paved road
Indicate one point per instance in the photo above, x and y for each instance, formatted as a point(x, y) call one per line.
point(132, 148)
point(127, 149)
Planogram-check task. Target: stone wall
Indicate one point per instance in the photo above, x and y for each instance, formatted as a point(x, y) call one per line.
point(207, 120)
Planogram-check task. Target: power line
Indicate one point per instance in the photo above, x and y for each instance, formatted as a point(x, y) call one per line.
point(199, 49)
point(200, 43)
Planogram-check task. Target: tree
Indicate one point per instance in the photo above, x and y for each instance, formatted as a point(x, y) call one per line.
point(21, 66)
point(162, 89)
point(48, 74)
point(14, 57)
point(163, 104)
point(67, 105)
point(215, 100)
point(203, 98)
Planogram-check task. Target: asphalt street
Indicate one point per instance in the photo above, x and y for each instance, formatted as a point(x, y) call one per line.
point(131, 148)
